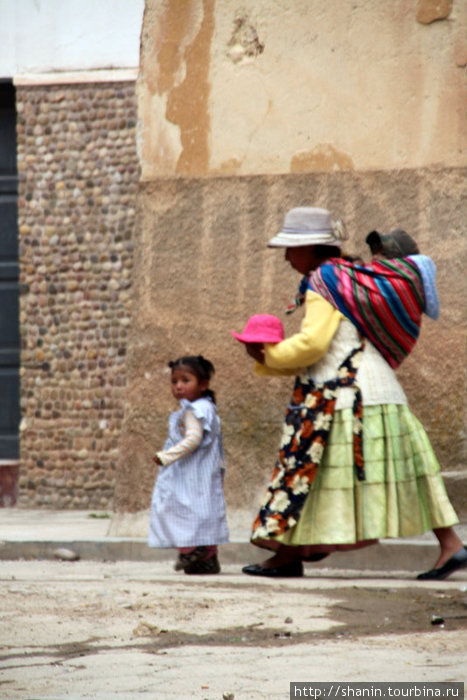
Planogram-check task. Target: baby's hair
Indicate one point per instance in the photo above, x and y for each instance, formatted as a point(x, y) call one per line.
point(200, 367)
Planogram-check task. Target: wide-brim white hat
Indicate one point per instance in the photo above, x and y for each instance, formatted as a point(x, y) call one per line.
point(308, 226)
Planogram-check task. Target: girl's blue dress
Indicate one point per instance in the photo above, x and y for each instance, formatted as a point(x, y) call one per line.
point(188, 506)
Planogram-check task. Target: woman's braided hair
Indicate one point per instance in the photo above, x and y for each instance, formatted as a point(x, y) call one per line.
point(202, 368)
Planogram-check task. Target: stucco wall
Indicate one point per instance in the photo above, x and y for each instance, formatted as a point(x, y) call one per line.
point(246, 109)
point(203, 268)
point(272, 87)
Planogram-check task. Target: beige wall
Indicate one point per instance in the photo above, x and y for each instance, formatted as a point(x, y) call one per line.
point(250, 87)
point(202, 267)
point(245, 110)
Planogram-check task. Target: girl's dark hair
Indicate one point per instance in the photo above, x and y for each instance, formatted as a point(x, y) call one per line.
point(201, 368)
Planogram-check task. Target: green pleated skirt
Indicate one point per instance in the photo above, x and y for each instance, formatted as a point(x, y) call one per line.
point(403, 493)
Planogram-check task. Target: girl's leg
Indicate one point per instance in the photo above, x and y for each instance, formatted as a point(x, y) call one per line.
point(202, 552)
point(211, 551)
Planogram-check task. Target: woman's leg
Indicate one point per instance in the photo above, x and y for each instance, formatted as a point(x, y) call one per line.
point(284, 555)
point(287, 554)
point(450, 543)
point(453, 555)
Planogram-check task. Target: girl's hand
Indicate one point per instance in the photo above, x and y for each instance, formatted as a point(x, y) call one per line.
point(157, 460)
point(256, 351)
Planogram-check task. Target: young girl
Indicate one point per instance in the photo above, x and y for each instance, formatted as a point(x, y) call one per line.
point(188, 507)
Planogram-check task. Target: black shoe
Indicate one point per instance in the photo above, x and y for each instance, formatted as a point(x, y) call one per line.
point(457, 561)
point(294, 569)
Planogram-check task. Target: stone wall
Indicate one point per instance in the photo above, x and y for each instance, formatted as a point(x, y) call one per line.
point(78, 174)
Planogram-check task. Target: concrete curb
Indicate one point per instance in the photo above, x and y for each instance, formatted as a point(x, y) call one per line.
point(37, 535)
point(385, 556)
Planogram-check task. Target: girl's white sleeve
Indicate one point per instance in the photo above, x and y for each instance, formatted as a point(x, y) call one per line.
point(193, 435)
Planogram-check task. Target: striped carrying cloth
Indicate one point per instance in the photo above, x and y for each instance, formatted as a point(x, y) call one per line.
point(384, 300)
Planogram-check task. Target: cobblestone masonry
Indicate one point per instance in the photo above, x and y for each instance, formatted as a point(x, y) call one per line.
point(78, 178)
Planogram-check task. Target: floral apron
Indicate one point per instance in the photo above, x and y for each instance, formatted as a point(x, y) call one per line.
point(307, 425)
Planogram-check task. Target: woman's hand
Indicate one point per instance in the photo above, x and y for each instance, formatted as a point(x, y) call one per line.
point(256, 351)
point(157, 460)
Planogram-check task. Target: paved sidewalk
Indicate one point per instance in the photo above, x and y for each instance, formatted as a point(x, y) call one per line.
point(38, 534)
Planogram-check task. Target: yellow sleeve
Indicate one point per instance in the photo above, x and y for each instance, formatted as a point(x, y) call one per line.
point(265, 371)
point(307, 346)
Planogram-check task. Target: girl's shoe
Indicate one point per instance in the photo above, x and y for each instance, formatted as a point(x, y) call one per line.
point(205, 566)
point(185, 560)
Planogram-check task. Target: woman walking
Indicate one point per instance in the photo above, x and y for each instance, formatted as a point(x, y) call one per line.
point(355, 465)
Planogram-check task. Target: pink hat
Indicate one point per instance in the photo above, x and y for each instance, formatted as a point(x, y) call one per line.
point(262, 328)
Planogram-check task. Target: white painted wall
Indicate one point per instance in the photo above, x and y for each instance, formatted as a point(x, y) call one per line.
point(41, 36)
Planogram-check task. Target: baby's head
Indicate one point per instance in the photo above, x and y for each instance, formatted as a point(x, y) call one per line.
point(190, 377)
point(396, 244)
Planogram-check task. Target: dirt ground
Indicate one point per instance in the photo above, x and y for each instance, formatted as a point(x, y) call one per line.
point(104, 630)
